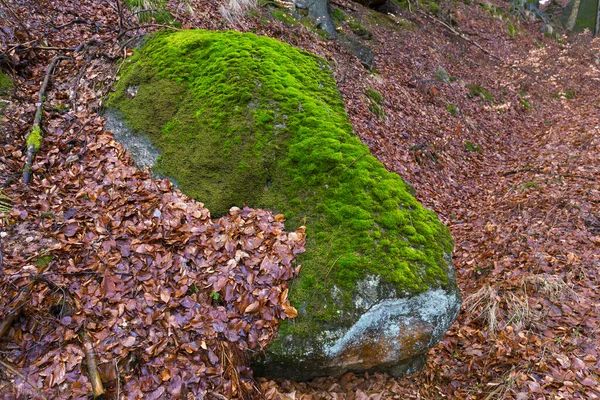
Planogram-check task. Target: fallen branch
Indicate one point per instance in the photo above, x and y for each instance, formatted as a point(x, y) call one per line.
point(120, 12)
point(92, 367)
point(542, 172)
point(20, 375)
point(34, 137)
point(460, 35)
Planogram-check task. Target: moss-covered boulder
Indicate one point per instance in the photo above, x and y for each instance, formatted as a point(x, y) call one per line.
point(239, 120)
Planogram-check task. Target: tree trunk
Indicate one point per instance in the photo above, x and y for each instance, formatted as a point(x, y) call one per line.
point(597, 31)
point(573, 16)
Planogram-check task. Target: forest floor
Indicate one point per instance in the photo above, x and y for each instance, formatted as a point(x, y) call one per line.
point(507, 152)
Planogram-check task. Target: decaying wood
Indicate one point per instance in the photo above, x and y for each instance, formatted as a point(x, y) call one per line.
point(37, 119)
point(92, 366)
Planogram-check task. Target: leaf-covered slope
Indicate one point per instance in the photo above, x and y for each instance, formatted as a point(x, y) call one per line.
point(247, 120)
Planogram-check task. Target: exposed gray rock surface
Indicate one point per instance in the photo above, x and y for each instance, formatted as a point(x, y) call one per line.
point(392, 334)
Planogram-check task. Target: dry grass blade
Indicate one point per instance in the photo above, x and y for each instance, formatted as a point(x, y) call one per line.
point(5, 204)
point(520, 314)
point(236, 9)
point(484, 304)
point(553, 286)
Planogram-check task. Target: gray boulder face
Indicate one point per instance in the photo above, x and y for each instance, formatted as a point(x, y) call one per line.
point(391, 333)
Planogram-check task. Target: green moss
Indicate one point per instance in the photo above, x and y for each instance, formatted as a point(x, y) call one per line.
point(6, 84)
point(524, 101)
point(452, 109)
point(472, 147)
point(570, 94)
point(247, 120)
point(478, 91)
point(434, 8)
point(284, 17)
point(375, 96)
point(42, 262)
point(35, 138)
point(359, 29)
point(338, 16)
point(377, 110)
point(529, 185)
point(376, 101)
point(493, 10)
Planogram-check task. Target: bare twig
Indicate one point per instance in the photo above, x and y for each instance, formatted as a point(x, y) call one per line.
point(17, 18)
point(76, 84)
point(92, 367)
point(147, 26)
point(120, 12)
point(217, 395)
point(460, 35)
point(6, 323)
point(20, 375)
point(1, 258)
point(542, 172)
point(79, 21)
point(22, 47)
point(34, 136)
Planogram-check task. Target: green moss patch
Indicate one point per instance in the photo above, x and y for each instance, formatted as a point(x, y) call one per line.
point(35, 138)
point(246, 120)
point(478, 91)
point(6, 84)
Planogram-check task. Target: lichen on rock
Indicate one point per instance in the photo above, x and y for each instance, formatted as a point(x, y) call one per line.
point(241, 119)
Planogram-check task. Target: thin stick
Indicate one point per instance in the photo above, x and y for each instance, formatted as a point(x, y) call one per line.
point(6, 323)
point(217, 395)
point(76, 84)
point(90, 358)
point(37, 120)
point(148, 26)
point(120, 12)
point(20, 375)
point(1, 257)
point(460, 35)
point(17, 18)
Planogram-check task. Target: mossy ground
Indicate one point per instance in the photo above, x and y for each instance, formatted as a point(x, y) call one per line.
point(6, 84)
point(247, 120)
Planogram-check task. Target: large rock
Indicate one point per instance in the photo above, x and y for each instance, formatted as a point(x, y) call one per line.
point(245, 120)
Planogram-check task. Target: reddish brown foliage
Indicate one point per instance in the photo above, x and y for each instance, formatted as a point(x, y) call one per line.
point(524, 212)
